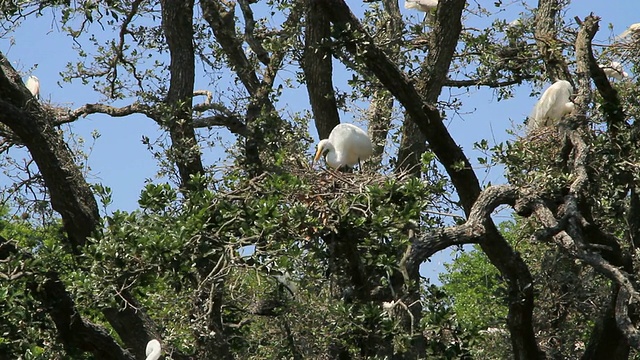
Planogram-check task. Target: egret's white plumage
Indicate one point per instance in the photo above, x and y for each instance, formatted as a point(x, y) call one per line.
point(347, 145)
point(632, 29)
point(614, 70)
point(153, 350)
point(33, 84)
point(515, 23)
point(421, 5)
point(552, 106)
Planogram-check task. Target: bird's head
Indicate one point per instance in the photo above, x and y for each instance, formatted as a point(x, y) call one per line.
point(568, 107)
point(324, 146)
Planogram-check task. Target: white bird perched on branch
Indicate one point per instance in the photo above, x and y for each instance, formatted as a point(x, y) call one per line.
point(33, 84)
point(347, 145)
point(421, 5)
point(632, 29)
point(552, 106)
point(153, 350)
point(614, 70)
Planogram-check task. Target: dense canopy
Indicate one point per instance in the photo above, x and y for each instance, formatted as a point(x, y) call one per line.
point(240, 249)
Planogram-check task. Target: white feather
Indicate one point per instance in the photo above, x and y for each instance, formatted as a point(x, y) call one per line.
point(153, 350)
point(552, 106)
point(614, 70)
point(33, 84)
point(632, 29)
point(421, 5)
point(347, 145)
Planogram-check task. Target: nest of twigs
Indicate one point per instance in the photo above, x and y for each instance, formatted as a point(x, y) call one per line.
point(334, 183)
point(536, 160)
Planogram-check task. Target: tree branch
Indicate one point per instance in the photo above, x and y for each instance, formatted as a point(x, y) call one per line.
point(74, 331)
point(222, 22)
point(249, 33)
point(318, 69)
point(622, 318)
point(546, 35)
point(177, 25)
point(362, 46)
point(71, 196)
point(472, 231)
point(231, 122)
point(487, 83)
point(584, 55)
point(87, 109)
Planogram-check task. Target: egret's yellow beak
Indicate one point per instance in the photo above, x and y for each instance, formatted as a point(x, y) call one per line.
point(318, 155)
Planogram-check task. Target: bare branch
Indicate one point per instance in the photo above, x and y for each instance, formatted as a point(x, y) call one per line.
point(570, 240)
point(588, 64)
point(232, 123)
point(222, 22)
point(87, 109)
point(488, 83)
point(249, 33)
point(206, 93)
point(71, 196)
point(472, 231)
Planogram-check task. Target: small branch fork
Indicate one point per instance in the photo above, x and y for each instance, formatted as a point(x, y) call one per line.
point(223, 117)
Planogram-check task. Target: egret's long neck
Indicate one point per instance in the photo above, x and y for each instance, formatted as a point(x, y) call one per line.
point(155, 354)
point(333, 158)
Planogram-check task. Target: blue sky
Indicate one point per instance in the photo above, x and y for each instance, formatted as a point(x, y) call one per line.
point(120, 160)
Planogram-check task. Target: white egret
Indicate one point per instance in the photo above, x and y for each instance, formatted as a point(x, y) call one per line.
point(614, 70)
point(33, 84)
point(285, 280)
point(347, 145)
point(552, 106)
point(421, 5)
point(153, 350)
point(632, 29)
point(515, 23)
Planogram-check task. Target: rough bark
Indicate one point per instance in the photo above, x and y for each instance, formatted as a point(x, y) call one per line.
point(71, 195)
point(380, 112)
point(546, 35)
point(132, 323)
point(413, 143)
point(318, 70)
point(382, 104)
point(381, 108)
point(606, 340)
point(177, 24)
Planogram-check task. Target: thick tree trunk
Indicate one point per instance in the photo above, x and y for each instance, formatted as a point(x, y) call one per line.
point(546, 34)
point(413, 144)
point(318, 69)
point(606, 340)
point(134, 327)
point(177, 23)
point(71, 195)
